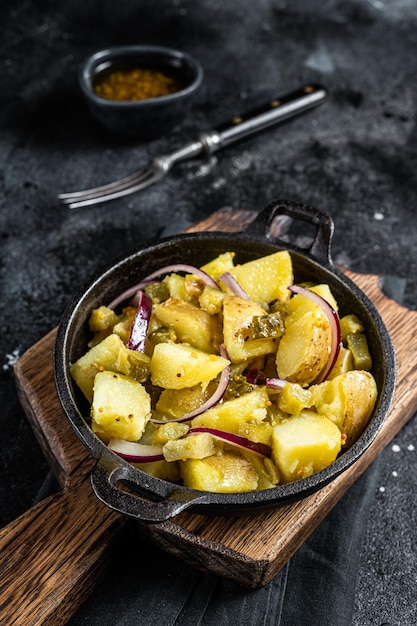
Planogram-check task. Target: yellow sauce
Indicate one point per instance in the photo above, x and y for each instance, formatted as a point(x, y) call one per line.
point(137, 83)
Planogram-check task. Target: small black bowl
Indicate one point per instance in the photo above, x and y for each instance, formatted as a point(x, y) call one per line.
point(149, 117)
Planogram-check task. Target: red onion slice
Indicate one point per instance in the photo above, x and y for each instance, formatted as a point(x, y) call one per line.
point(136, 452)
point(212, 401)
point(253, 376)
point(231, 283)
point(333, 318)
point(178, 267)
point(261, 449)
point(276, 383)
point(129, 293)
point(139, 330)
point(182, 267)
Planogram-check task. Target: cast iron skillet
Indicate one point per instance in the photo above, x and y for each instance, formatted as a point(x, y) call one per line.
point(128, 490)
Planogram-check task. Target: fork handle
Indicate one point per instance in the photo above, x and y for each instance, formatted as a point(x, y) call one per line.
point(277, 110)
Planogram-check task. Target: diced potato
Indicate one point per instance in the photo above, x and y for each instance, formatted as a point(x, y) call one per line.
point(110, 354)
point(350, 324)
point(197, 446)
point(124, 325)
point(161, 469)
point(225, 473)
point(98, 358)
point(219, 265)
point(348, 400)
point(304, 349)
point(293, 399)
point(328, 399)
point(266, 469)
point(360, 393)
point(190, 323)
point(176, 402)
point(344, 363)
point(102, 318)
point(121, 407)
point(176, 286)
point(169, 431)
point(237, 316)
point(300, 304)
point(175, 366)
point(232, 414)
point(259, 432)
point(267, 278)
point(211, 300)
point(123, 328)
point(304, 444)
point(325, 292)
point(186, 288)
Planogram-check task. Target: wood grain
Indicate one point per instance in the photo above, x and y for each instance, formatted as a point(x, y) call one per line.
point(52, 556)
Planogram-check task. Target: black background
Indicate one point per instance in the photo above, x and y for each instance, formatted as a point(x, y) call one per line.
point(355, 157)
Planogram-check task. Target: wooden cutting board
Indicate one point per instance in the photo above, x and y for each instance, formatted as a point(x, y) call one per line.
point(53, 555)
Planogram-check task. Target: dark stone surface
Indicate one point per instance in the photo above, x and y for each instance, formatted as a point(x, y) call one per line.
point(355, 157)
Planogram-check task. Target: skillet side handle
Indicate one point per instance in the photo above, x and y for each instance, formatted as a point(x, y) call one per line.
point(105, 487)
point(282, 211)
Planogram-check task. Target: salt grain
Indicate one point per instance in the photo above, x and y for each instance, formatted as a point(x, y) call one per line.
point(11, 359)
point(395, 448)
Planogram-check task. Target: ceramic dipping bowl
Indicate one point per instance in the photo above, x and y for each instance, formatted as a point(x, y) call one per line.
point(140, 91)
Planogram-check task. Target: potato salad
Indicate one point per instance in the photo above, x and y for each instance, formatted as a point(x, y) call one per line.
point(227, 377)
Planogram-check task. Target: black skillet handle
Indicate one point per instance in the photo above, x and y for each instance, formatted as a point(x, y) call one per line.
point(104, 479)
point(320, 248)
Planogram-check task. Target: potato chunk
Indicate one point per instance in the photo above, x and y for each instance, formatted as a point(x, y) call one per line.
point(232, 415)
point(176, 366)
point(197, 446)
point(222, 263)
point(304, 444)
point(161, 469)
point(190, 323)
point(348, 400)
point(211, 300)
point(360, 393)
point(343, 364)
point(299, 304)
point(102, 318)
point(237, 316)
point(121, 407)
point(224, 473)
point(267, 278)
point(109, 354)
point(268, 475)
point(304, 349)
point(169, 431)
point(176, 402)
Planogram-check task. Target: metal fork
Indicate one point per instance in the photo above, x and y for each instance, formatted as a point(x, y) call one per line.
point(275, 111)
